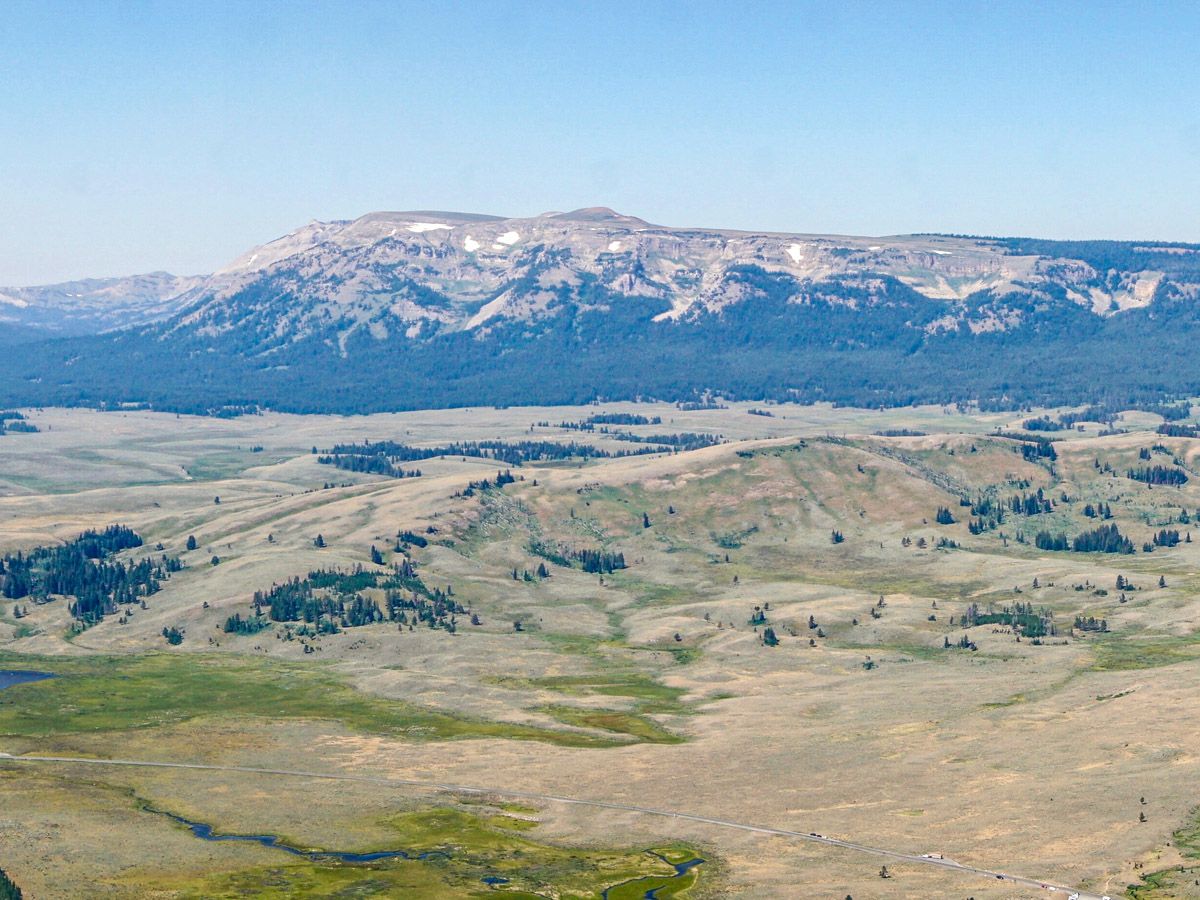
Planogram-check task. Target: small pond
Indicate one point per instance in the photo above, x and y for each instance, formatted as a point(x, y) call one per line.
point(10, 678)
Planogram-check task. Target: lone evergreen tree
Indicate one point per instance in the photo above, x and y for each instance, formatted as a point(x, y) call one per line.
point(191, 542)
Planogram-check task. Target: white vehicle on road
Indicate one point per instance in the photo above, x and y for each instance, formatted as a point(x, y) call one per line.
point(932, 856)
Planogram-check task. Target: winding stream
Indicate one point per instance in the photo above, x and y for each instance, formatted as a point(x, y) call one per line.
point(681, 869)
point(205, 833)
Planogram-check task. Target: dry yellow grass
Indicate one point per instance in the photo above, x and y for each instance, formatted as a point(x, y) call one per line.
point(1021, 757)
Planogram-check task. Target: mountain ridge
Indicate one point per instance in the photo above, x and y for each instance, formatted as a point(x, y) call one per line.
point(461, 302)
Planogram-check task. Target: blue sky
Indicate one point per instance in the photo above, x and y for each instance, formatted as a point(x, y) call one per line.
point(143, 136)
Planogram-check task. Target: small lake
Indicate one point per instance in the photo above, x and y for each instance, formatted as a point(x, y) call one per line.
point(11, 678)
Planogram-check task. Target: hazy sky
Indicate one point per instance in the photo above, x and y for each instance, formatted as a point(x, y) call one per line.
point(143, 136)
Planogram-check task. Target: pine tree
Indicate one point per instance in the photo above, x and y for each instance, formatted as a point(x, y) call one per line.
point(8, 888)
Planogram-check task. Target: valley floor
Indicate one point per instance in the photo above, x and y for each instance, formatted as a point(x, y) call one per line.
point(834, 621)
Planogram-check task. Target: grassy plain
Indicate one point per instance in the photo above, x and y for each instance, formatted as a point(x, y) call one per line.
point(649, 685)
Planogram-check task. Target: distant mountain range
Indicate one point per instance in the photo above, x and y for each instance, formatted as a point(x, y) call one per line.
point(412, 309)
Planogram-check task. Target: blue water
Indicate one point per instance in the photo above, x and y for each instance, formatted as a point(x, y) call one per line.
point(681, 869)
point(205, 833)
point(9, 678)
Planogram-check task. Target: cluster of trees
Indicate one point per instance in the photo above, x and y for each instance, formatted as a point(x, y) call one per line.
point(988, 514)
point(235, 624)
point(11, 420)
point(437, 610)
point(622, 419)
point(173, 636)
point(1105, 539)
point(1158, 475)
point(1099, 510)
point(688, 440)
point(383, 457)
point(82, 569)
point(525, 575)
point(405, 537)
point(1032, 447)
point(601, 562)
point(1043, 423)
point(512, 453)
point(1021, 617)
point(299, 600)
point(1105, 413)
point(1174, 429)
point(1168, 537)
point(1091, 623)
point(369, 461)
point(1031, 504)
point(483, 485)
point(330, 600)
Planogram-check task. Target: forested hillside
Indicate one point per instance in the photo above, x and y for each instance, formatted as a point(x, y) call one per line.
point(354, 319)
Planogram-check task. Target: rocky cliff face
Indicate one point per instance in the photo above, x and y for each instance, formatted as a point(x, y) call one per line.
point(420, 273)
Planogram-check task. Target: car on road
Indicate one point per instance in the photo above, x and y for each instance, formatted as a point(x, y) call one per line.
point(932, 856)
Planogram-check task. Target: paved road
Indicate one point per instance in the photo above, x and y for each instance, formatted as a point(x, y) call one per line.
point(1015, 880)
